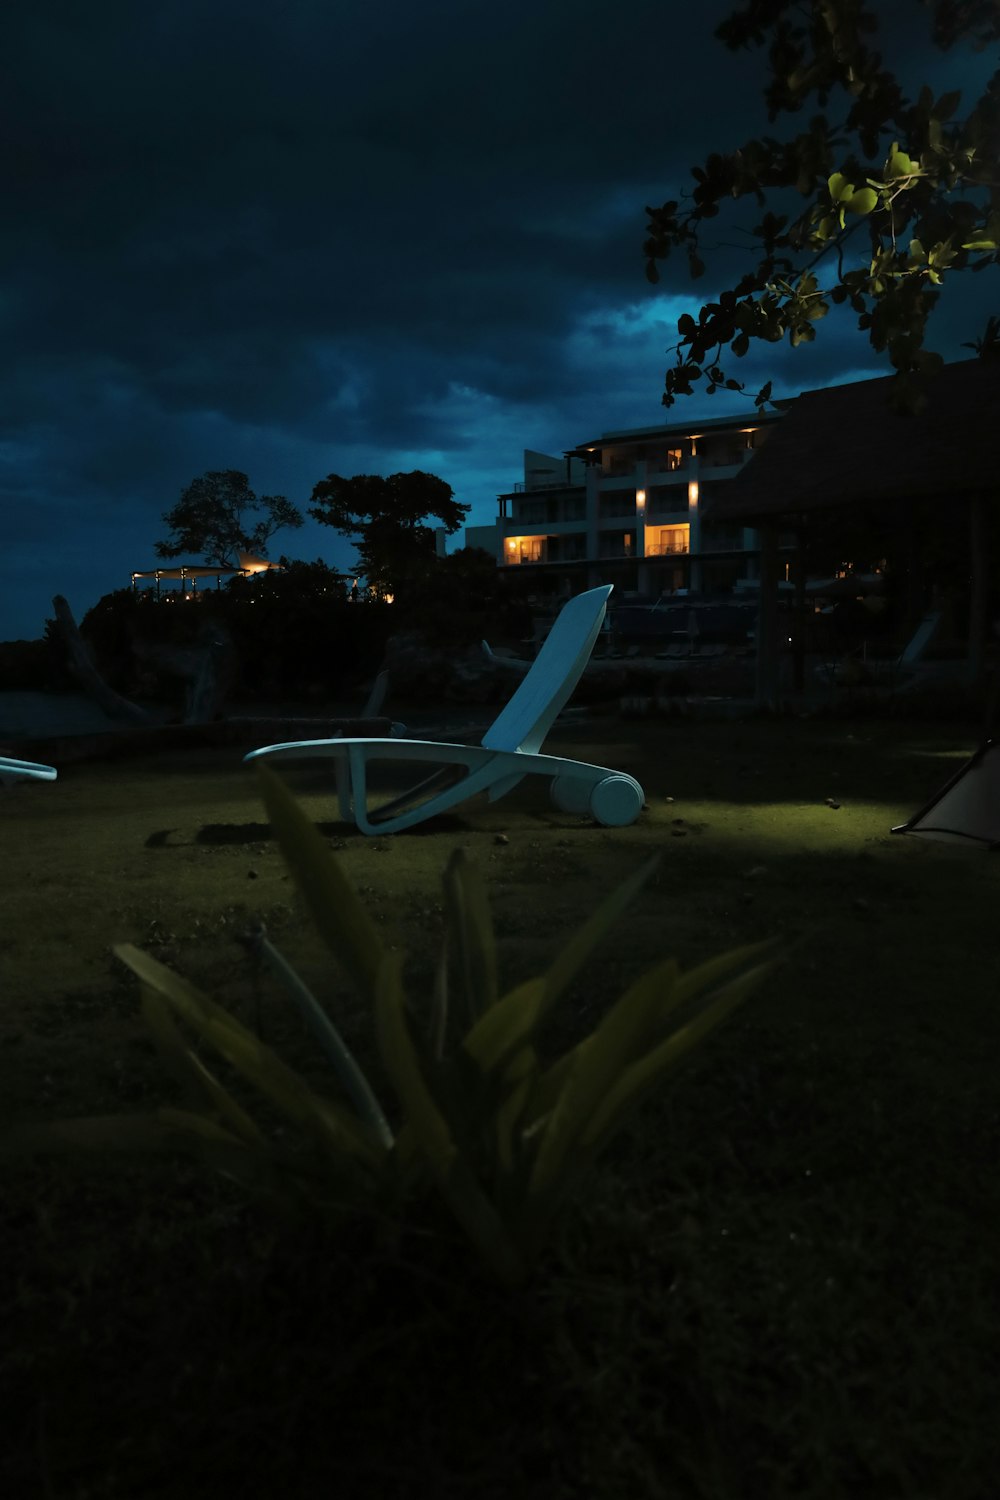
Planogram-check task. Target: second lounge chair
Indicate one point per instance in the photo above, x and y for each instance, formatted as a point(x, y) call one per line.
point(510, 749)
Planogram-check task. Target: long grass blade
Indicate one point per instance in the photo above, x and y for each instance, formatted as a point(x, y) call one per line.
point(658, 984)
point(470, 928)
point(507, 1026)
point(191, 1072)
point(341, 920)
point(637, 1079)
point(700, 980)
point(454, 1177)
point(540, 1207)
point(330, 1040)
point(595, 1065)
point(334, 1129)
point(572, 957)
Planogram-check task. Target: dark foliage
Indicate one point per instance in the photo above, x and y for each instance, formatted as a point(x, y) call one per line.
point(210, 520)
point(294, 633)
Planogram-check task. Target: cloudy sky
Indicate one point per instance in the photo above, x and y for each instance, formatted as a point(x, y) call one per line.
point(331, 236)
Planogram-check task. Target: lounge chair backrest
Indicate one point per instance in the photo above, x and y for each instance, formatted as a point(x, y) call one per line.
point(555, 672)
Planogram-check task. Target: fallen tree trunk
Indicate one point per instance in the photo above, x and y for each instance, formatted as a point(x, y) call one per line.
point(87, 675)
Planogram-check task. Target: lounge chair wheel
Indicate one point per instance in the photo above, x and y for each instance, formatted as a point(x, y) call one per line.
point(570, 794)
point(616, 801)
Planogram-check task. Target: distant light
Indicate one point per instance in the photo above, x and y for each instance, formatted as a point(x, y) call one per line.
point(640, 499)
point(693, 492)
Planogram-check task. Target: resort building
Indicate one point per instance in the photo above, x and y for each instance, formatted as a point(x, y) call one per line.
point(633, 507)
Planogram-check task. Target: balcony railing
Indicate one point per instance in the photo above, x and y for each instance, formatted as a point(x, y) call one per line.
point(723, 458)
point(667, 549)
point(520, 488)
point(527, 517)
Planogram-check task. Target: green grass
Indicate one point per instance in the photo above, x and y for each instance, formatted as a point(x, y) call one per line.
point(783, 1283)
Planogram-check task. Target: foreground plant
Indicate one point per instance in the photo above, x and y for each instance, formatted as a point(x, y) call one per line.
point(503, 1135)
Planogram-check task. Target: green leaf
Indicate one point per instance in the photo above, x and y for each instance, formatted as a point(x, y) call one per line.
point(334, 1130)
point(341, 920)
point(515, 1017)
point(637, 1079)
point(452, 1173)
point(508, 1117)
point(596, 1063)
point(332, 1043)
point(470, 932)
point(947, 105)
point(191, 1072)
point(987, 236)
point(618, 1102)
point(708, 975)
point(507, 1026)
point(863, 201)
point(572, 957)
point(899, 164)
point(401, 1063)
point(839, 187)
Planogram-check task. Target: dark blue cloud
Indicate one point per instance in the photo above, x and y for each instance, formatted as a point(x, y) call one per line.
point(328, 236)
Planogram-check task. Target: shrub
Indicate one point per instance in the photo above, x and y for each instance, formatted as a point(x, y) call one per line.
point(503, 1135)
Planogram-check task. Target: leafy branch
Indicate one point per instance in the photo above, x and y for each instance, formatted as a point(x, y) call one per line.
point(930, 207)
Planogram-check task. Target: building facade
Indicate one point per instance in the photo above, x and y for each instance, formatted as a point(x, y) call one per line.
point(633, 508)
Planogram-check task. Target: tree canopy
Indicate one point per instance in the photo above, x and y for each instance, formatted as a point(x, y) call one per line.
point(900, 194)
point(386, 518)
point(211, 519)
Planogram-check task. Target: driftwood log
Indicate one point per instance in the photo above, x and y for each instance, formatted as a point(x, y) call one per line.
point(87, 675)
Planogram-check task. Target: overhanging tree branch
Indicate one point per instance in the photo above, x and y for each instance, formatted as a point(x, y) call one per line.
point(923, 183)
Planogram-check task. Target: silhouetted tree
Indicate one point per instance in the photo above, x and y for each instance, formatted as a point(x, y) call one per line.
point(386, 518)
point(210, 519)
point(900, 194)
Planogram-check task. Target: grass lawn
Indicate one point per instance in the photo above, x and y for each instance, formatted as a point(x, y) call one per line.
point(784, 1280)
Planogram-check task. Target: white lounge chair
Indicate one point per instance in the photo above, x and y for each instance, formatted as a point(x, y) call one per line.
point(509, 750)
point(18, 770)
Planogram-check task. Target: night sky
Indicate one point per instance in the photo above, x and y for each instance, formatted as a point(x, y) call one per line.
point(355, 238)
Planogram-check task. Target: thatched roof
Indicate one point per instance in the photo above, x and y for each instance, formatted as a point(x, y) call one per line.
point(845, 445)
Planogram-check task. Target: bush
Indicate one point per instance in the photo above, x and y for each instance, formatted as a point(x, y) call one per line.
point(485, 1124)
point(33, 666)
point(293, 633)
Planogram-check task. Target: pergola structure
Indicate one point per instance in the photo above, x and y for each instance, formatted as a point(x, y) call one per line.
point(845, 447)
point(248, 566)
